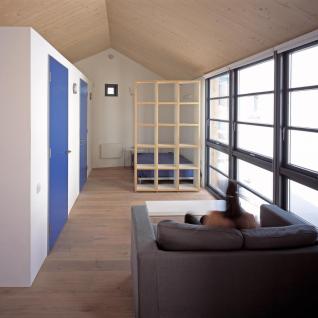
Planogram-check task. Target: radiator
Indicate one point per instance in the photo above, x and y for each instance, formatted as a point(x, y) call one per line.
point(111, 151)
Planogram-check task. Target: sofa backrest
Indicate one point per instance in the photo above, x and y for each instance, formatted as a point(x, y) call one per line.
point(271, 215)
point(280, 229)
point(174, 236)
point(290, 236)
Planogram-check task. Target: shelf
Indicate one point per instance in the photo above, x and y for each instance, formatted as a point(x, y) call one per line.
point(187, 187)
point(188, 146)
point(189, 82)
point(145, 146)
point(145, 187)
point(188, 125)
point(167, 187)
point(186, 166)
point(167, 146)
point(146, 125)
point(167, 125)
point(167, 103)
point(167, 167)
point(146, 103)
point(145, 167)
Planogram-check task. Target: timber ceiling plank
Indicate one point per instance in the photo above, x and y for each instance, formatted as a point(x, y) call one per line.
point(174, 38)
point(186, 38)
point(77, 28)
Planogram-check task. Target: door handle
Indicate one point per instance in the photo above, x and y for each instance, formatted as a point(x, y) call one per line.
point(68, 152)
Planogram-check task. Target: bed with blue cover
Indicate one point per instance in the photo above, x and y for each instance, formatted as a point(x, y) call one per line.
point(163, 158)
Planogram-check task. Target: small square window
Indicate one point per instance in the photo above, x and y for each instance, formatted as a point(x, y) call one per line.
point(111, 89)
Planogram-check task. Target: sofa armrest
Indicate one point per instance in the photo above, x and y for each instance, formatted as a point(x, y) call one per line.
point(145, 240)
point(272, 215)
point(143, 263)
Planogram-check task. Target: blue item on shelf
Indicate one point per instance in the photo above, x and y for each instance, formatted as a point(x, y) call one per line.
point(164, 158)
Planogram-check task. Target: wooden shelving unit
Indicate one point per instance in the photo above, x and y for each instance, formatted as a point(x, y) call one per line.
point(167, 136)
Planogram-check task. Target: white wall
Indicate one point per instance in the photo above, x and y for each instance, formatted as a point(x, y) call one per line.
point(24, 119)
point(40, 50)
point(113, 116)
point(15, 157)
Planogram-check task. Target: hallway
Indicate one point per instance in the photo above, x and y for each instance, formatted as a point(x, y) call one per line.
point(87, 274)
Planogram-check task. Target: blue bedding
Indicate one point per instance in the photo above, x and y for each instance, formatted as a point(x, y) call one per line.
point(164, 158)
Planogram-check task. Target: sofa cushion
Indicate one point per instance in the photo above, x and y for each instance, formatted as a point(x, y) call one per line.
point(279, 237)
point(173, 236)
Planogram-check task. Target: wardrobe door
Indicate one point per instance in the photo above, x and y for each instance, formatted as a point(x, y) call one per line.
point(58, 139)
point(83, 133)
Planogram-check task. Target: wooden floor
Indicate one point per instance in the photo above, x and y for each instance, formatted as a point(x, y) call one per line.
point(87, 274)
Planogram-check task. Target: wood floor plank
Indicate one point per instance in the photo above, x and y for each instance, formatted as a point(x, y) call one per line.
point(87, 274)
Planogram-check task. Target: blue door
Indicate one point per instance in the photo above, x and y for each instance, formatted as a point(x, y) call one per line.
point(83, 133)
point(58, 184)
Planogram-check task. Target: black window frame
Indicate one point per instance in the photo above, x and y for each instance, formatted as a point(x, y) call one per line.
point(278, 164)
point(236, 122)
point(288, 171)
point(254, 158)
point(114, 86)
point(214, 144)
point(209, 119)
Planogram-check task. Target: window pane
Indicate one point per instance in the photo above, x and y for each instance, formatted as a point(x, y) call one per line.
point(219, 160)
point(219, 86)
point(303, 149)
point(219, 131)
point(256, 78)
point(304, 67)
point(256, 109)
point(304, 108)
point(250, 202)
point(258, 179)
point(217, 181)
point(303, 201)
point(219, 108)
point(256, 139)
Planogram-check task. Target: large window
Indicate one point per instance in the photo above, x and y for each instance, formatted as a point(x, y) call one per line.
point(255, 178)
point(263, 132)
point(301, 132)
point(303, 109)
point(303, 201)
point(253, 138)
point(219, 109)
point(218, 132)
point(255, 108)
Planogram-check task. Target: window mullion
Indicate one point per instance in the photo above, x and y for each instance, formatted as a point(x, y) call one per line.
point(233, 89)
point(207, 130)
point(278, 138)
point(284, 132)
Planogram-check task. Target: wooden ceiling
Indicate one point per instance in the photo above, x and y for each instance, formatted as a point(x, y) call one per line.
point(186, 38)
point(77, 28)
point(174, 38)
